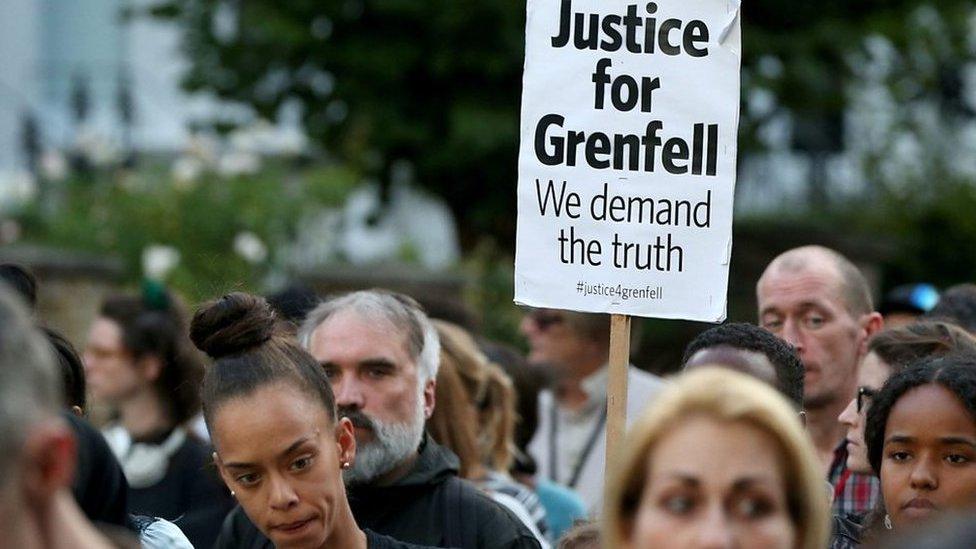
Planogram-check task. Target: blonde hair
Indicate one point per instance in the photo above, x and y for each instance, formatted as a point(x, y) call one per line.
point(489, 391)
point(726, 396)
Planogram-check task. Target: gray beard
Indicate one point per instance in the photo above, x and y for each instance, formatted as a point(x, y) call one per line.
point(392, 444)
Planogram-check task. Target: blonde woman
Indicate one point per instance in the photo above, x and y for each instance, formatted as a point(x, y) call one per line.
point(719, 460)
point(475, 417)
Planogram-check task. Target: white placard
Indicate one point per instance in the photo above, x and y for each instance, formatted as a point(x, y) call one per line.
point(628, 156)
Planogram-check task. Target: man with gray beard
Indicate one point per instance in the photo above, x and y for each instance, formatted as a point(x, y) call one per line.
point(381, 354)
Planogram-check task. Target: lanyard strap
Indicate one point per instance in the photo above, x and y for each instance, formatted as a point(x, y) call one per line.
point(584, 455)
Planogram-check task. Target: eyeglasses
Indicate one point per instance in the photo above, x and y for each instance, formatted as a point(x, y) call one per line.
point(864, 393)
point(546, 319)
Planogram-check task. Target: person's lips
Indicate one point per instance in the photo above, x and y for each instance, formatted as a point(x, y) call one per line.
point(851, 443)
point(294, 527)
point(918, 507)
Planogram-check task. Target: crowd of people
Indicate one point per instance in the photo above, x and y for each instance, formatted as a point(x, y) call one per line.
point(366, 420)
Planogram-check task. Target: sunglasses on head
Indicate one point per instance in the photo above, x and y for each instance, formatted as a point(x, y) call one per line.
point(863, 394)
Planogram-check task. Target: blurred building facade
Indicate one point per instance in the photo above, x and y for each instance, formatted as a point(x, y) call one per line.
point(69, 59)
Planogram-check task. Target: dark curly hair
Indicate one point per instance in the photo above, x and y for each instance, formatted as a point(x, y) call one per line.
point(748, 337)
point(955, 372)
point(155, 326)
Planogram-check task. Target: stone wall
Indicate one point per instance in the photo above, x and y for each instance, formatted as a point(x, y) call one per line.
point(70, 286)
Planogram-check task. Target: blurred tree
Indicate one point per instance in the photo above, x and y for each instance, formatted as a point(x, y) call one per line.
point(435, 85)
point(429, 86)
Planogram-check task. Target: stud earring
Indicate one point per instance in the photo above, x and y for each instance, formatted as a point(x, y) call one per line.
point(233, 494)
point(346, 465)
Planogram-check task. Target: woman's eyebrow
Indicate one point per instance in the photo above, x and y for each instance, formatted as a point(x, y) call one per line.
point(966, 441)
point(899, 439)
point(291, 448)
point(750, 481)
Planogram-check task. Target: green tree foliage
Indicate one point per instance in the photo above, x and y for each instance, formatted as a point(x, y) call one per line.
point(437, 83)
point(433, 83)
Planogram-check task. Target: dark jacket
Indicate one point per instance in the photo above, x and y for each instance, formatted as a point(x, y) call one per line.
point(430, 506)
point(190, 495)
point(847, 532)
point(99, 486)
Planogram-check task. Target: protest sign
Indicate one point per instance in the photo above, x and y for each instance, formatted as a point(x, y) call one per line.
point(628, 156)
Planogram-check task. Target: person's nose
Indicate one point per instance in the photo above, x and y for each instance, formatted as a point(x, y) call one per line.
point(282, 496)
point(349, 393)
point(715, 530)
point(792, 334)
point(924, 476)
point(849, 416)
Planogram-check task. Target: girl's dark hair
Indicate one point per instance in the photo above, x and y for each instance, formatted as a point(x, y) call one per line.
point(955, 372)
point(251, 349)
point(905, 345)
point(153, 324)
point(72, 370)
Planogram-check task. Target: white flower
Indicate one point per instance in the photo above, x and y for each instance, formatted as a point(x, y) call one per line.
point(96, 147)
point(17, 188)
point(291, 141)
point(158, 260)
point(203, 147)
point(186, 170)
point(238, 163)
point(54, 167)
point(249, 246)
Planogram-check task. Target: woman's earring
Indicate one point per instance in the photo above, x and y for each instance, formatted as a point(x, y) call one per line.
point(233, 494)
point(346, 465)
point(887, 522)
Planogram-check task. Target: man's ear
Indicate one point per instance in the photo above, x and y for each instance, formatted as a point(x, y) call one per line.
point(430, 389)
point(50, 453)
point(346, 441)
point(871, 324)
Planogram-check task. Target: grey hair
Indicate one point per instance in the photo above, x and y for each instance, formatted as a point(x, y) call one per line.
point(30, 387)
point(401, 311)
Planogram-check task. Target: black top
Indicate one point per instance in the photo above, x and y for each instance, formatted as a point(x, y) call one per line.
point(429, 506)
point(847, 531)
point(99, 487)
point(377, 541)
point(190, 495)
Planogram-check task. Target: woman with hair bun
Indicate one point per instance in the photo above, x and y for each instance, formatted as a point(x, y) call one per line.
point(278, 443)
point(140, 362)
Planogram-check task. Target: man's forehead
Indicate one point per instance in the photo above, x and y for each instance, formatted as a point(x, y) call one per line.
point(812, 284)
point(351, 330)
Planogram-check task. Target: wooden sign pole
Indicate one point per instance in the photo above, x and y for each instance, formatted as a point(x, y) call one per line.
point(617, 386)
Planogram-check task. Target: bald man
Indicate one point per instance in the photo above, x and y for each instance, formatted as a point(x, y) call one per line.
point(817, 300)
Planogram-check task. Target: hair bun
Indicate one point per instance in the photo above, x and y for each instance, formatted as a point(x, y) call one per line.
point(232, 324)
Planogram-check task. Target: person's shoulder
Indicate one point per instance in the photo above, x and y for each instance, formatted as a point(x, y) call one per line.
point(559, 496)
point(498, 526)
point(379, 541)
point(239, 532)
point(157, 533)
point(644, 382)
